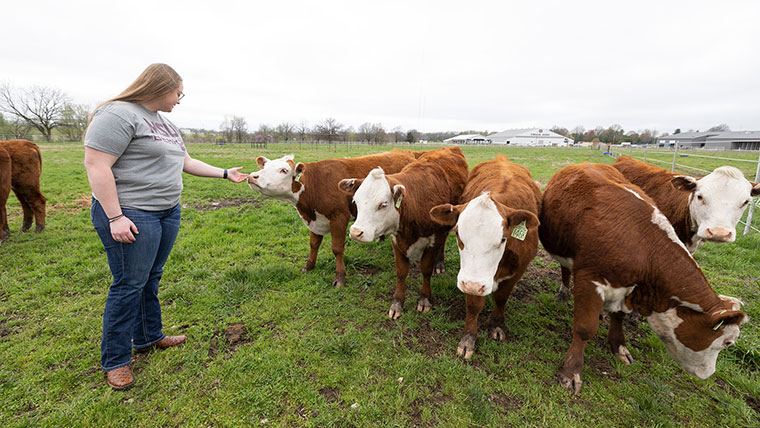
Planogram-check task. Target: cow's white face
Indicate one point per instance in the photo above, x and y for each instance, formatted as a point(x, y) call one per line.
point(718, 202)
point(481, 240)
point(701, 361)
point(376, 211)
point(275, 178)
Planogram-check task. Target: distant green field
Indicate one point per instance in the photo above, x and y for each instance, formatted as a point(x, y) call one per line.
point(270, 346)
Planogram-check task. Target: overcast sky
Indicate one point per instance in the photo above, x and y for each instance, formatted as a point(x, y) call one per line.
point(429, 65)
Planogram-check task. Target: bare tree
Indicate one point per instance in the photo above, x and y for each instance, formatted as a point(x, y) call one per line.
point(302, 129)
point(285, 130)
point(577, 133)
point(39, 106)
point(239, 129)
point(329, 129)
point(74, 121)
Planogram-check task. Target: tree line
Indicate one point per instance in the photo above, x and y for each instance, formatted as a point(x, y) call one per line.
point(50, 113)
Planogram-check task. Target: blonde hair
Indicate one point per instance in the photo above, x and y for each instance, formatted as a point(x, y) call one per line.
point(154, 82)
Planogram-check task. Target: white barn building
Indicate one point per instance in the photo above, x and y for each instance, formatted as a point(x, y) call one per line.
point(530, 137)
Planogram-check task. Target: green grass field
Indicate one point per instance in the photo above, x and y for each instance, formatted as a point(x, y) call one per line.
point(270, 346)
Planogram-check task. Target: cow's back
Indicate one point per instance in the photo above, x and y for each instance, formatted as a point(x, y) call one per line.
point(321, 179)
point(509, 183)
point(656, 183)
point(26, 162)
point(590, 211)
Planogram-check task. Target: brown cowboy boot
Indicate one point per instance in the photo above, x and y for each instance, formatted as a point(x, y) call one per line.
point(120, 378)
point(169, 341)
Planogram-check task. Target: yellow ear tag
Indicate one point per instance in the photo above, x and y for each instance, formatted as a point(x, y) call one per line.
point(298, 177)
point(398, 202)
point(520, 231)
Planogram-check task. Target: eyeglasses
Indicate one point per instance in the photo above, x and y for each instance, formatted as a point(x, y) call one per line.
point(180, 96)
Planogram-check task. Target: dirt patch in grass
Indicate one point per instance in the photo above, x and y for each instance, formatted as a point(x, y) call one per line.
point(215, 204)
point(235, 335)
point(82, 202)
point(507, 402)
point(330, 394)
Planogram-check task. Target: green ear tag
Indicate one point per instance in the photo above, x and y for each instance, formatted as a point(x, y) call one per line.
point(520, 231)
point(298, 177)
point(398, 202)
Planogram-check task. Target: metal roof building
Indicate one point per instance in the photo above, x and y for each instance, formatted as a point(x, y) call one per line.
point(731, 140)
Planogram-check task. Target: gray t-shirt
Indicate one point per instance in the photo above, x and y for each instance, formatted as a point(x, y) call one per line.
point(150, 153)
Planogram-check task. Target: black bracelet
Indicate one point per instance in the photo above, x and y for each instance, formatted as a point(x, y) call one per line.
point(225, 174)
point(113, 219)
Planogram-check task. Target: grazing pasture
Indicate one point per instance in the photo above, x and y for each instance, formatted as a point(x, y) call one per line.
point(270, 346)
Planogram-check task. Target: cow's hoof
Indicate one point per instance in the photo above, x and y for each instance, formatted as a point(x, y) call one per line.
point(466, 346)
point(307, 267)
point(573, 384)
point(339, 283)
point(497, 333)
point(39, 229)
point(440, 267)
point(395, 311)
point(564, 294)
point(624, 354)
point(423, 305)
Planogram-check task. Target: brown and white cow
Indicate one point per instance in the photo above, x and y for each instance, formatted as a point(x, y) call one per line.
point(496, 225)
point(399, 205)
point(5, 190)
point(312, 187)
point(705, 209)
point(26, 169)
point(624, 255)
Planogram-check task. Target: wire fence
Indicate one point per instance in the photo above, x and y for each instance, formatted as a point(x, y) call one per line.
point(677, 158)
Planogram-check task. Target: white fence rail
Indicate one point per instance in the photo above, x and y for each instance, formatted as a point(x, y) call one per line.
point(674, 165)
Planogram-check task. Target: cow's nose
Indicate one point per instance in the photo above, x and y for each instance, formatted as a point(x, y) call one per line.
point(356, 233)
point(472, 287)
point(718, 234)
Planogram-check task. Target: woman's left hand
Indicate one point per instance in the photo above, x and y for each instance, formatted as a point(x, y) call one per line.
point(235, 176)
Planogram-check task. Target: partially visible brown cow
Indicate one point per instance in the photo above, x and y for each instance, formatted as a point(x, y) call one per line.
point(26, 169)
point(399, 205)
point(705, 209)
point(496, 225)
point(312, 188)
point(5, 190)
point(624, 255)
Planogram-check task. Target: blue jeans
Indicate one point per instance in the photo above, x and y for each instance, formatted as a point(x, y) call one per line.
point(132, 317)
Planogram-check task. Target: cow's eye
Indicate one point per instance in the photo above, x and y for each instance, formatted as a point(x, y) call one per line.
point(745, 203)
point(284, 170)
point(700, 198)
point(382, 206)
point(503, 239)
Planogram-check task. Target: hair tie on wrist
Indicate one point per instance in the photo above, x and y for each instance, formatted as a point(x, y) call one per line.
point(225, 174)
point(113, 219)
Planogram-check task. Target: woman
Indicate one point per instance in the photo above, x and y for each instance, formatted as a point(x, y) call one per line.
point(135, 158)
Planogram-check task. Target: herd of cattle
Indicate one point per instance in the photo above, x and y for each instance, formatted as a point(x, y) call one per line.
point(625, 233)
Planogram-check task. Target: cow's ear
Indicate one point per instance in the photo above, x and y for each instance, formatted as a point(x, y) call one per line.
point(297, 170)
point(398, 195)
point(261, 161)
point(518, 216)
point(684, 182)
point(727, 318)
point(755, 189)
point(349, 185)
point(446, 214)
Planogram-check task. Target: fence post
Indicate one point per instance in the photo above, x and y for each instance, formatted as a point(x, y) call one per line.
point(675, 155)
point(645, 153)
point(752, 205)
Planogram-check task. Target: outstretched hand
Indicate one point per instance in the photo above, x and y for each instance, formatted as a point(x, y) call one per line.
point(235, 176)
